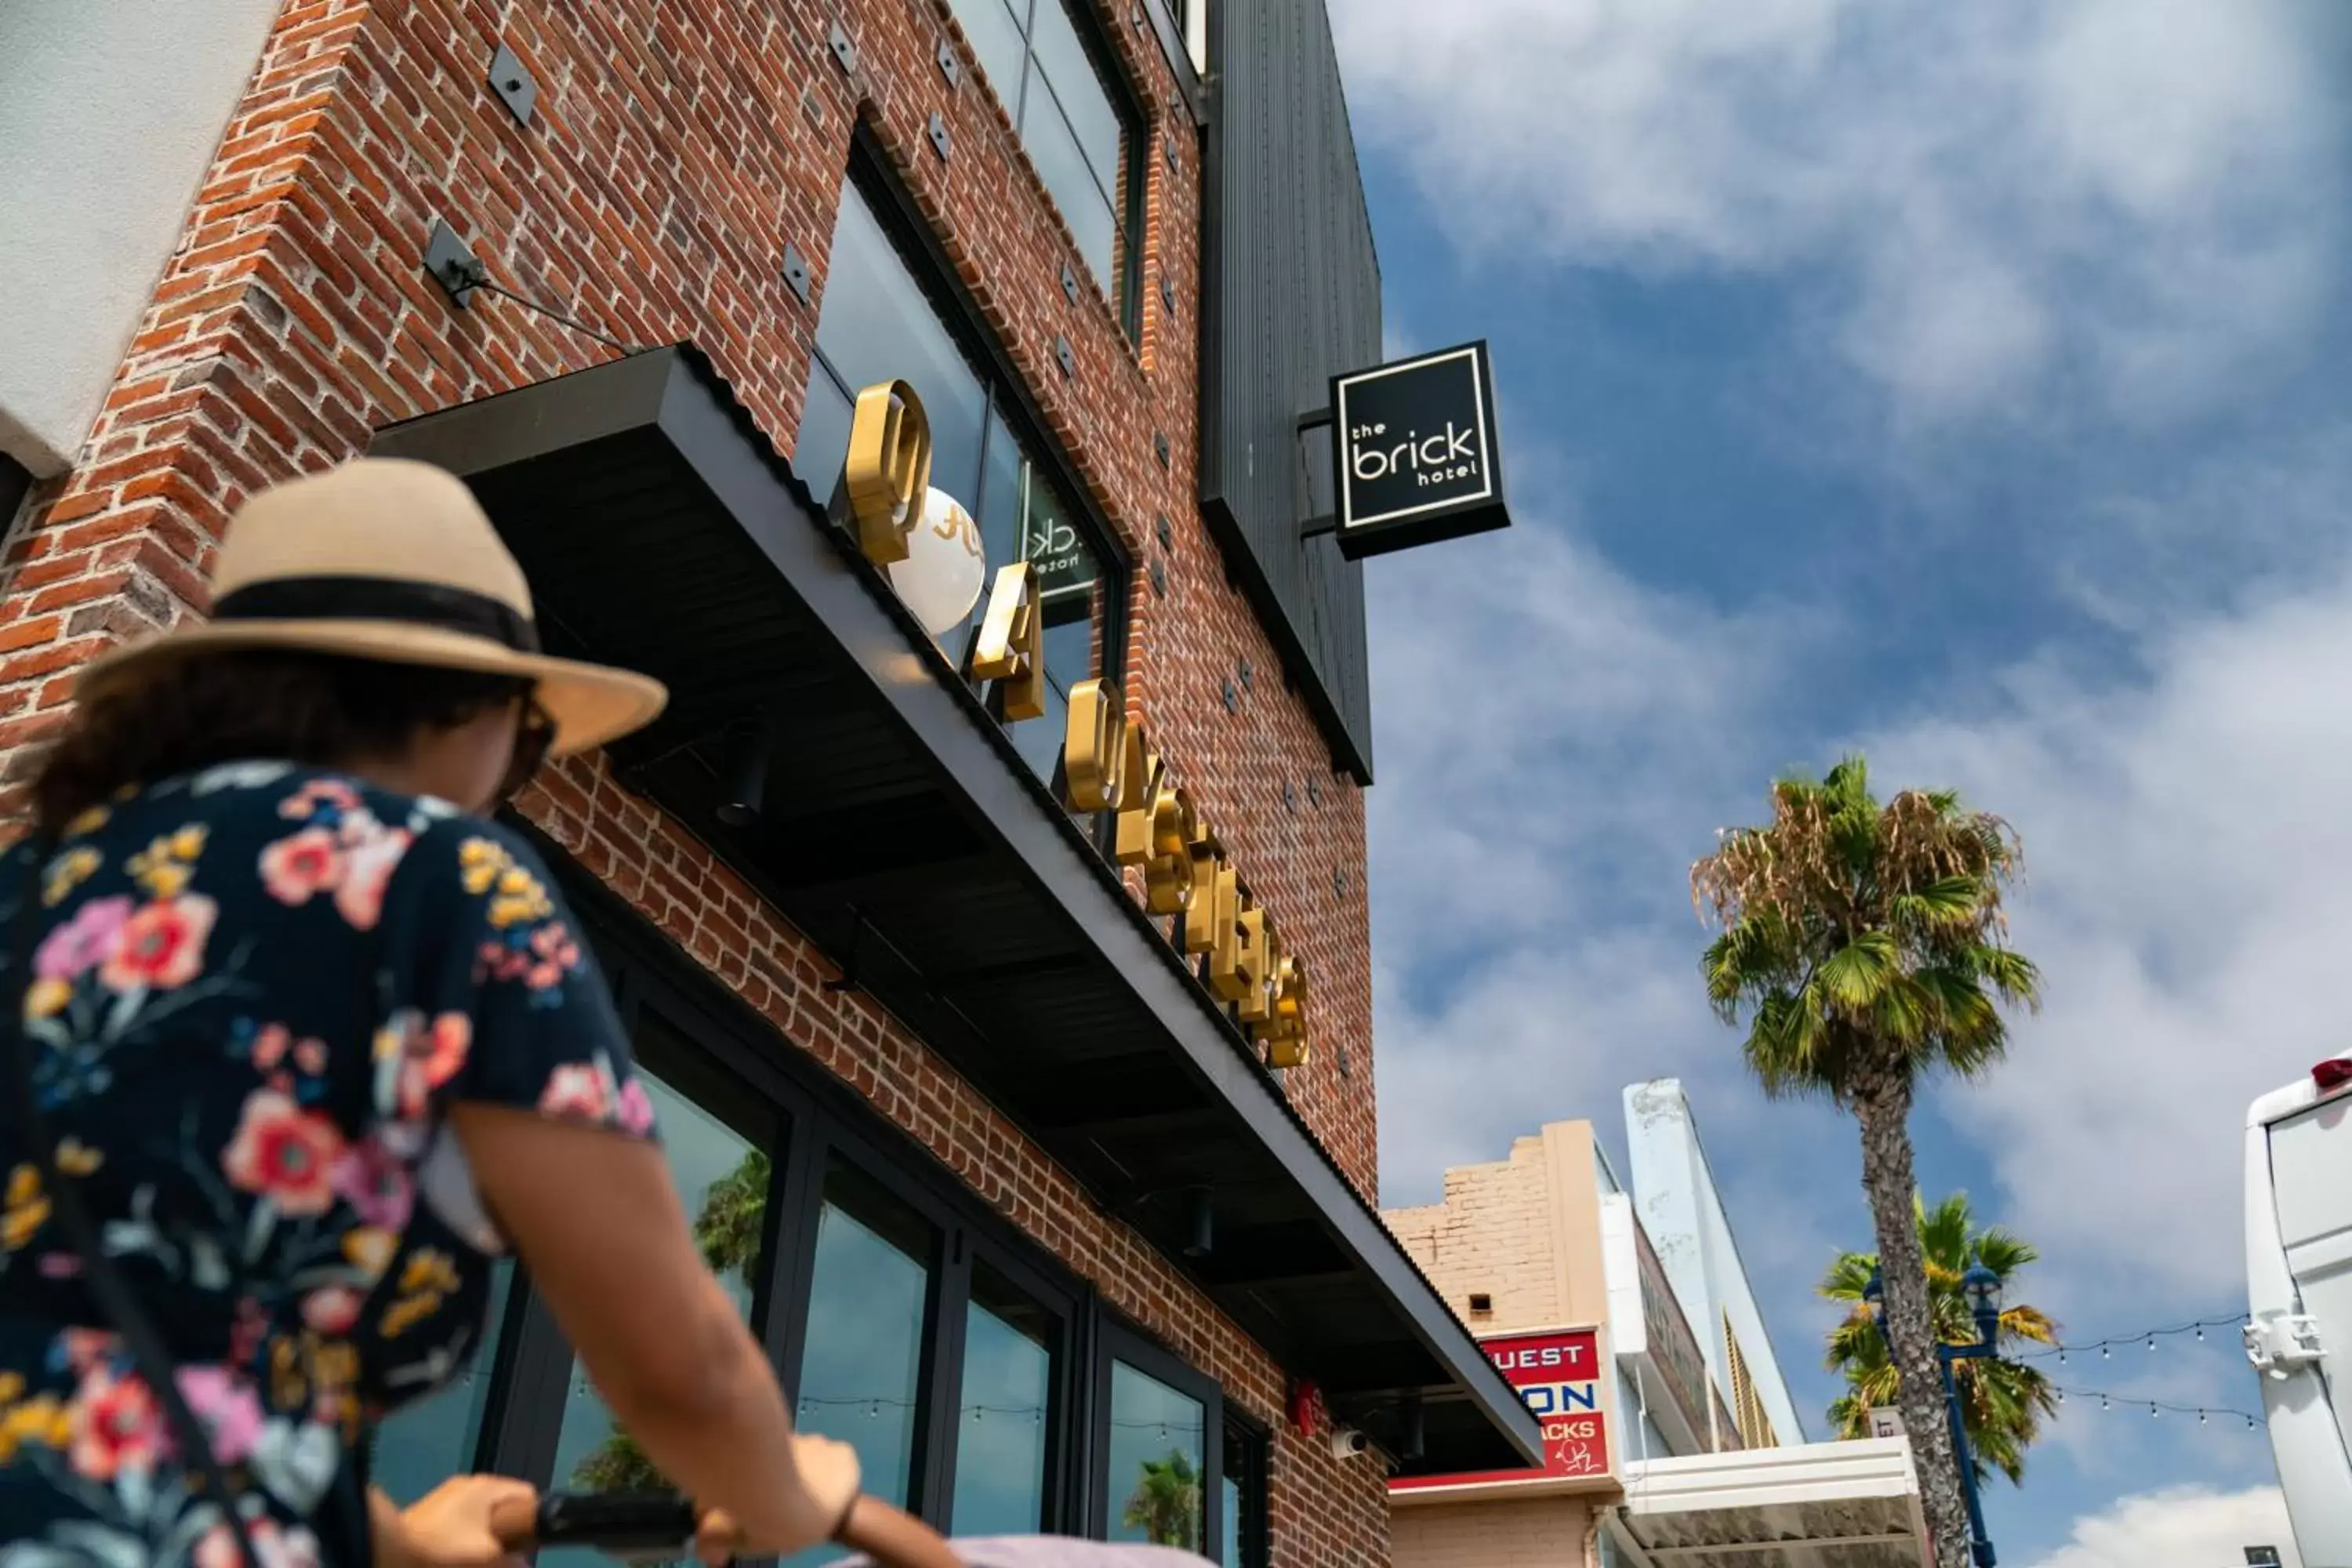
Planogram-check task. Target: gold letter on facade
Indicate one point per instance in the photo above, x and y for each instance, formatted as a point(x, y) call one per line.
point(888, 469)
point(1094, 745)
point(1283, 1033)
point(1012, 643)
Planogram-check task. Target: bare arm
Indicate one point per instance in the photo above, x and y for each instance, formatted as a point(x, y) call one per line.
point(597, 1221)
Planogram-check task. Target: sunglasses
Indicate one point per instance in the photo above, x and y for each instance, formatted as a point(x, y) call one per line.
point(534, 736)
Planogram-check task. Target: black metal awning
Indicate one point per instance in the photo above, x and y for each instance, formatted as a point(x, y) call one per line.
point(901, 831)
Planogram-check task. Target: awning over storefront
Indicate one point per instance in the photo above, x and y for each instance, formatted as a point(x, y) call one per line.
point(1815, 1505)
point(903, 833)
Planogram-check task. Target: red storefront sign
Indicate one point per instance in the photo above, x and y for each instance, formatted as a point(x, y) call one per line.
point(1559, 1375)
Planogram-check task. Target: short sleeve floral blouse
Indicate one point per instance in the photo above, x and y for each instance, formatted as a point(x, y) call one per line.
point(253, 994)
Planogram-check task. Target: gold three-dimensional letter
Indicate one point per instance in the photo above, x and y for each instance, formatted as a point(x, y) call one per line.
point(888, 469)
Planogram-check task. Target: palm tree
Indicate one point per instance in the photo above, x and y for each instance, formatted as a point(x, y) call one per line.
point(1863, 944)
point(728, 1230)
point(1166, 1503)
point(2002, 1401)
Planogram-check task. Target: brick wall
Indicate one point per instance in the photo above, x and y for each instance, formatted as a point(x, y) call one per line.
point(1493, 1235)
point(677, 148)
point(1539, 1532)
point(1525, 1231)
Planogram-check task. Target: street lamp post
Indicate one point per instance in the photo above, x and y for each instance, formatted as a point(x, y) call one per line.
point(1981, 1286)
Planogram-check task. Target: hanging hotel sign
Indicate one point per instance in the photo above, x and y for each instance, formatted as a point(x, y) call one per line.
point(1557, 1375)
point(1415, 448)
point(1108, 763)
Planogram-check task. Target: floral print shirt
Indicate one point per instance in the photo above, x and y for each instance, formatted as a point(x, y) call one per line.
point(253, 994)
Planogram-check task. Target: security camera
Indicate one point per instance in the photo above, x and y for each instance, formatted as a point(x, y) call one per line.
point(1347, 1442)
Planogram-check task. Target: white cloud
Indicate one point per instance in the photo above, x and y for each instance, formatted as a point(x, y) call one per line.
point(2179, 1527)
point(2001, 205)
point(2185, 835)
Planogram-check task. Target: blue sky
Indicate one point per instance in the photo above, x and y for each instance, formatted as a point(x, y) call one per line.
point(1960, 383)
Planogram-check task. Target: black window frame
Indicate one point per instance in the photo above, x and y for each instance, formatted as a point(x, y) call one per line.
point(1248, 1449)
point(1120, 1339)
point(1006, 394)
point(818, 1119)
point(1130, 207)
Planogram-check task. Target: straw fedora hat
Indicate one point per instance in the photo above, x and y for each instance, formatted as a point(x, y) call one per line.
point(393, 561)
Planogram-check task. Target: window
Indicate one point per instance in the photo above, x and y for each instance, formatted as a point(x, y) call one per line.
point(880, 323)
point(1158, 1461)
point(425, 1443)
point(1159, 1448)
point(1078, 123)
point(909, 1319)
point(1244, 1541)
point(861, 1378)
point(724, 1169)
point(1003, 1443)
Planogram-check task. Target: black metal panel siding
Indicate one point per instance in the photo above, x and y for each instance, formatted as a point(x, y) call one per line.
point(1293, 297)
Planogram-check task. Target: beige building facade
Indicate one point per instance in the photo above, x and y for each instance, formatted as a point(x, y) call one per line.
point(1672, 1440)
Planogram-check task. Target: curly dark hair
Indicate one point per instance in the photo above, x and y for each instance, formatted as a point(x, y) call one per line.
point(206, 708)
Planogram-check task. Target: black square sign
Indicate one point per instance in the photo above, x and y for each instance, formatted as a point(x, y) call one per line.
point(1414, 446)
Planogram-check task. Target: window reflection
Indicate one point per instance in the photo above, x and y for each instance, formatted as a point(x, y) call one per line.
point(1157, 1462)
point(1008, 1372)
point(723, 1176)
point(430, 1441)
point(1071, 121)
point(879, 324)
point(1241, 1497)
point(861, 1368)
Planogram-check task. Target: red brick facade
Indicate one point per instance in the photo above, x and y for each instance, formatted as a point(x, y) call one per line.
point(676, 149)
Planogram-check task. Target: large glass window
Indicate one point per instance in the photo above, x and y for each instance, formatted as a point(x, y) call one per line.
point(1076, 121)
point(909, 1320)
point(426, 1443)
point(1242, 1488)
point(724, 1169)
point(879, 324)
point(1002, 1423)
point(1158, 1462)
point(868, 1311)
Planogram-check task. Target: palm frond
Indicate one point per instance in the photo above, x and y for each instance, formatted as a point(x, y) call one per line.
point(1854, 975)
point(2003, 1402)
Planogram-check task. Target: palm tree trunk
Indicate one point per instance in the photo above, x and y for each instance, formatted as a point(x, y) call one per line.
point(1884, 1112)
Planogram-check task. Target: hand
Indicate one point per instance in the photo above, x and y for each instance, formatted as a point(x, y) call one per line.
point(452, 1526)
point(827, 1471)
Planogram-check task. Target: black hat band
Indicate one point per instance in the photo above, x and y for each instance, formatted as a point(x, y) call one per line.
point(431, 604)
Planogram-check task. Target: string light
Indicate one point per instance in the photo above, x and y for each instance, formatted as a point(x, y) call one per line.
point(2147, 1337)
point(2156, 1408)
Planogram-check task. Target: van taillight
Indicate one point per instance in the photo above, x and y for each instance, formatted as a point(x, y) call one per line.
point(2332, 1074)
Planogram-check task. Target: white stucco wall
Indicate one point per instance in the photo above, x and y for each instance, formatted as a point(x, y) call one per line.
point(1674, 1193)
point(109, 113)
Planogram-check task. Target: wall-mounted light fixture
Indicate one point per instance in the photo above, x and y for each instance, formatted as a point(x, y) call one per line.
point(743, 773)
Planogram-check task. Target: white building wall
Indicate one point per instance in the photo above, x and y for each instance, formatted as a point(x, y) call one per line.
point(109, 114)
point(1674, 1193)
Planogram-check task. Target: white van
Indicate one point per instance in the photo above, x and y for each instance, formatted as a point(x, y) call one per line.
point(2299, 1285)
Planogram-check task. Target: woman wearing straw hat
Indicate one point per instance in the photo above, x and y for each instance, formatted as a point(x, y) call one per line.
point(308, 1042)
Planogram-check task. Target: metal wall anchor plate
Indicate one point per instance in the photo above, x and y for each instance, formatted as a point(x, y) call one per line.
point(513, 83)
point(452, 265)
point(796, 272)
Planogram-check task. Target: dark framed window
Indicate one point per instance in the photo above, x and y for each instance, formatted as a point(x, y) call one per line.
point(1081, 122)
point(1244, 1538)
point(1158, 1446)
point(888, 314)
point(985, 1388)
